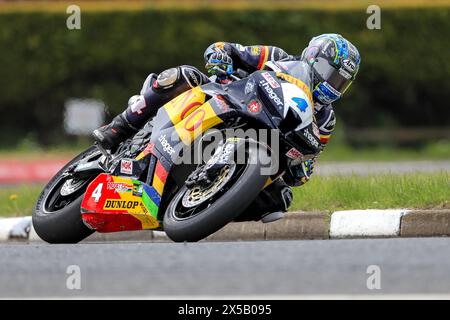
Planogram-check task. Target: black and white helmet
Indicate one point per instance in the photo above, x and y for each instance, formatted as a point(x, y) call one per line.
point(335, 62)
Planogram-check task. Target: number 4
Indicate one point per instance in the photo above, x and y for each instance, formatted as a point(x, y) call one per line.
point(97, 194)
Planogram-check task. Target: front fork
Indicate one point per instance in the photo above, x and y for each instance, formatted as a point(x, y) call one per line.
point(223, 156)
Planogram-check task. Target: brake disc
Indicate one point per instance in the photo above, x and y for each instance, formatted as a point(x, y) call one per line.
point(199, 194)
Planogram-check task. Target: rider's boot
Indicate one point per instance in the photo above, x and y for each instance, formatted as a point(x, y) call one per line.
point(111, 135)
point(270, 205)
point(284, 196)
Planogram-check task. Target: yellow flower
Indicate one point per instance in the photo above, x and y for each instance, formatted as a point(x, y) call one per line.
point(13, 197)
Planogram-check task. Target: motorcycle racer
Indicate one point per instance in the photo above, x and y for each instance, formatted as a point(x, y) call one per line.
point(332, 60)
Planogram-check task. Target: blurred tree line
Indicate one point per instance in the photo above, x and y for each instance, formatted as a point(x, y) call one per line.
point(403, 79)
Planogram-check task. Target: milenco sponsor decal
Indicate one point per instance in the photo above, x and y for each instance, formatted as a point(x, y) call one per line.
point(273, 83)
point(119, 186)
point(272, 95)
point(166, 146)
point(120, 204)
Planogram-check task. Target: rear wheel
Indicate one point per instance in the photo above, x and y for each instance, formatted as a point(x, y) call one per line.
point(57, 216)
point(196, 212)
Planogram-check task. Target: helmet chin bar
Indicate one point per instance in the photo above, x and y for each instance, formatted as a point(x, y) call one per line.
point(325, 93)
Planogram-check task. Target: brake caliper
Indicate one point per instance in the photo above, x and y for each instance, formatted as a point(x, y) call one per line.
point(205, 175)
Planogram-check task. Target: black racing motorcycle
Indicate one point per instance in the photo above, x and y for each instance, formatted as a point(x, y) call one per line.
point(196, 166)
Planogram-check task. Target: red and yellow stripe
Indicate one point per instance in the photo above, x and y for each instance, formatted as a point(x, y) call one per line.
point(160, 177)
point(263, 57)
point(324, 138)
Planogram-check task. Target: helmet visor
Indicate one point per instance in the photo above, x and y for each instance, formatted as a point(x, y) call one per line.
point(339, 79)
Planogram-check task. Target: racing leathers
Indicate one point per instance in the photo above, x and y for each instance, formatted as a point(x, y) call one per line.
point(157, 90)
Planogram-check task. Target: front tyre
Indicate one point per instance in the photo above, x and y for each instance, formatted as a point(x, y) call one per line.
point(197, 222)
point(57, 216)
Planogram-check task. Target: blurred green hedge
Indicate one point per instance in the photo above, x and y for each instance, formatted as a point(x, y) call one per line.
point(403, 80)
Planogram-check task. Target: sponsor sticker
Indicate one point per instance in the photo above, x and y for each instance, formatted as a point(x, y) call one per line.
point(111, 204)
point(316, 131)
point(119, 187)
point(166, 145)
point(255, 50)
point(294, 154)
point(249, 86)
point(272, 95)
point(349, 65)
point(271, 80)
point(126, 166)
point(311, 138)
point(240, 47)
point(222, 103)
point(138, 190)
point(254, 107)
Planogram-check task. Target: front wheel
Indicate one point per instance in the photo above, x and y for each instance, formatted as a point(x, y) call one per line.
point(57, 216)
point(195, 213)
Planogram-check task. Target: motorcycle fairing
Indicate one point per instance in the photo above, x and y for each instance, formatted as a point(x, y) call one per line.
point(179, 122)
point(134, 205)
point(113, 203)
point(183, 119)
point(299, 83)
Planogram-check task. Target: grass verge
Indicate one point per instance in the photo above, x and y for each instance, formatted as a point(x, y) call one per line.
point(16, 201)
point(417, 190)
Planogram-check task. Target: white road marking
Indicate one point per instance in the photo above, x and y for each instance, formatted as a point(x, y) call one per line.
point(366, 223)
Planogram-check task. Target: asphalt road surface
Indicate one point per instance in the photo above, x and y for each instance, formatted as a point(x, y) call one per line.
point(268, 269)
